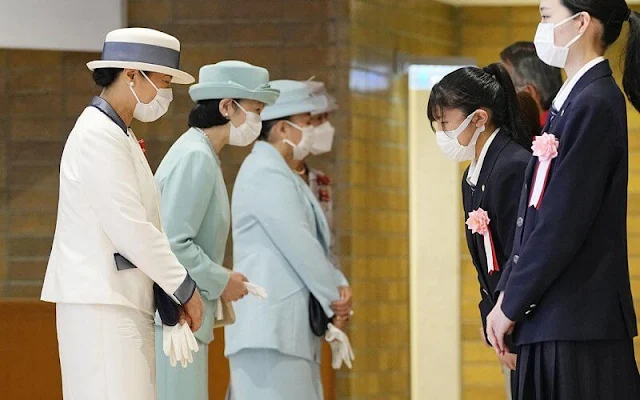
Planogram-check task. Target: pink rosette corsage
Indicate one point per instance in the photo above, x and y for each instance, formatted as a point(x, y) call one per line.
point(545, 147)
point(478, 223)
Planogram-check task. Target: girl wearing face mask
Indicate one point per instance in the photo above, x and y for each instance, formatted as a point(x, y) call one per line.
point(109, 224)
point(281, 239)
point(478, 119)
point(318, 181)
point(566, 288)
point(229, 96)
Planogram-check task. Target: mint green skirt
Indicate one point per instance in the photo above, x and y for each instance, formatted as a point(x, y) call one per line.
point(177, 383)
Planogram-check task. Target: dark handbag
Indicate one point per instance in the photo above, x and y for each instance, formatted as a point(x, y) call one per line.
point(317, 318)
point(168, 309)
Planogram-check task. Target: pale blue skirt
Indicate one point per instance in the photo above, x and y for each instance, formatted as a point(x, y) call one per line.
point(177, 383)
point(261, 374)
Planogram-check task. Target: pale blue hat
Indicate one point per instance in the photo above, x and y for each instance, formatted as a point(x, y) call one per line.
point(234, 80)
point(325, 101)
point(295, 98)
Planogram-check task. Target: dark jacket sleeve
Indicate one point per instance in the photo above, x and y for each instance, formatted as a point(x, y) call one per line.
point(570, 205)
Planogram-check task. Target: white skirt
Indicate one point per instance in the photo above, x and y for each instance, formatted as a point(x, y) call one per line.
point(106, 352)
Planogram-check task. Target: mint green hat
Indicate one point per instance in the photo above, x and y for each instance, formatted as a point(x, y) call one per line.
point(234, 80)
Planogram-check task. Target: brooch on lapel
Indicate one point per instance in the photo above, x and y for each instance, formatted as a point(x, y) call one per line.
point(478, 222)
point(323, 180)
point(323, 195)
point(143, 145)
point(545, 147)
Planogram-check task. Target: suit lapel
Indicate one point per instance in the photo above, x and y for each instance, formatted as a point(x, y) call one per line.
point(600, 70)
point(322, 226)
point(499, 143)
point(149, 192)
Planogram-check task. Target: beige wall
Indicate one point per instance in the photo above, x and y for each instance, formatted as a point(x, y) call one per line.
point(435, 261)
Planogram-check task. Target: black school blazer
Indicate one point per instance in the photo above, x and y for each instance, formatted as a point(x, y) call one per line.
point(568, 277)
point(497, 192)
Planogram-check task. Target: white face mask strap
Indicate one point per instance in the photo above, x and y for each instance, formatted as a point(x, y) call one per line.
point(152, 84)
point(295, 126)
point(240, 107)
point(572, 41)
point(564, 21)
point(464, 125)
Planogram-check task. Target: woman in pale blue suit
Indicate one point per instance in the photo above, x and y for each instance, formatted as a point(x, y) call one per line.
point(281, 240)
point(195, 206)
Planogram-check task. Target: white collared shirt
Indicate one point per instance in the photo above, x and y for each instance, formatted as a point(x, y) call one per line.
point(476, 165)
point(568, 86)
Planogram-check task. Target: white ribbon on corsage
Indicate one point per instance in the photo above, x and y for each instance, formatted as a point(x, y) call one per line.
point(545, 147)
point(478, 222)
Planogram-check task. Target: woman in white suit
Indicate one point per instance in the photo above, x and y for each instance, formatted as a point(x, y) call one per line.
point(281, 241)
point(109, 224)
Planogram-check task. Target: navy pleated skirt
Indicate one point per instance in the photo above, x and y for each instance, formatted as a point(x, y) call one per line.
point(592, 370)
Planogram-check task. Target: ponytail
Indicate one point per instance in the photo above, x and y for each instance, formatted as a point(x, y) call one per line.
point(513, 121)
point(631, 78)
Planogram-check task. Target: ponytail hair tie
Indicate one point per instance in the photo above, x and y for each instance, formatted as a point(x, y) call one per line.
point(619, 17)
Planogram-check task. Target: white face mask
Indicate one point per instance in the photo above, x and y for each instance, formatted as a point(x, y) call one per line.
point(546, 48)
point(248, 131)
point(452, 149)
point(302, 149)
point(322, 138)
point(156, 108)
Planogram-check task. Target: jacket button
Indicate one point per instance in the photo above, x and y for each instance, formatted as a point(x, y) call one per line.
point(520, 222)
point(532, 306)
point(527, 312)
point(516, 258)
point(485, 291)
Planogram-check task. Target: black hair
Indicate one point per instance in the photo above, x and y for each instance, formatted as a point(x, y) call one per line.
point(530, 113)
point(528, 69)
point(613, 14)
point(471, 88)
point(206, 114)
point(267, 126)
point(104, 77)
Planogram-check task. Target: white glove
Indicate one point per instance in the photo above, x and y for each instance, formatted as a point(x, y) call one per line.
point(341, 350)
point(179, 343)
point(256, 290)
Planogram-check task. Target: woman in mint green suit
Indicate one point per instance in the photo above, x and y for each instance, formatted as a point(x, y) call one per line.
point(282, 242)
point(229, 96)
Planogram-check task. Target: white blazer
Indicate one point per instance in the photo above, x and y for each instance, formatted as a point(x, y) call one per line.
point(108, 205)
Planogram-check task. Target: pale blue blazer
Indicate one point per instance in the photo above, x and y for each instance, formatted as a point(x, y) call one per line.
point(195, 214)
point(281, 242)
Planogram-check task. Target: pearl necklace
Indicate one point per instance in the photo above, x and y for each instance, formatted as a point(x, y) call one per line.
point(206, 137)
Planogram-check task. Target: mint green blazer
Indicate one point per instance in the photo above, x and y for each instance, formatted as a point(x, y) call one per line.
point(196, 217)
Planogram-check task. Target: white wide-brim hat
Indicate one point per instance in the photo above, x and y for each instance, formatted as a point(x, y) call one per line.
point(295, 98)
point(326, 102)
point(142, 49)
point(234, 80)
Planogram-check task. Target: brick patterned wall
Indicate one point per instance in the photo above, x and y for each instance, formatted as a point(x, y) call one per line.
point(498, 27)
point(39, 102)
point(375, 222)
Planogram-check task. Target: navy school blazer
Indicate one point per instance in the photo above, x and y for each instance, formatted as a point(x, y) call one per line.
point(497, 192)
point(568, 276)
